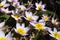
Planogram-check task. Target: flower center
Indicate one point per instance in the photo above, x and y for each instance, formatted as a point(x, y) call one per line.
point(1, 5)
point(46, 18)
point(29, 18)
point(38, 7)
point(21, 31)
point(56, 35)
point(39, 26)
point(16, 16)
point(2, 38)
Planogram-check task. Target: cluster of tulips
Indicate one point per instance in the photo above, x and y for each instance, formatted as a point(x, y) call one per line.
point(27, 19)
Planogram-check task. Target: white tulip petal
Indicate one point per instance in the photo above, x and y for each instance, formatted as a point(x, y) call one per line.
point(40, 3)
point(58, 39)
point(15, 0)
point(17, 25)
point(55, 30)
point(2, 9)
point(7, 11)
point(32, 23)
point(27, 29)
point(2, 24)
point(47, 28)
point(9, 0)
point(35, 17)
point(3, 2)
point(58, 32)
point(22, 7)
point(14, 4)
point(15, 30)
point(50, 31)
point(23, 25)
point(13, 12)
point(2, 34)
point(43, 9)
point(36, 4)
point(28, 14)
point(36, 8)
point(8, 36)
point(52, 19)
point(6, 5)
point(16, 10)
point(41, 21)
point(51, 35)
point(43, 6)
point(12, 15)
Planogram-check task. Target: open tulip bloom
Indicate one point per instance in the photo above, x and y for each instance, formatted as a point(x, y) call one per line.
point(21, 29)
point(54, 21)
point(28, 20)
point(15, 15)
point(40, 6)
point(55, 34)
point(45, 17)
point(30, 16)
point(39, 25)
point(3, 37)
